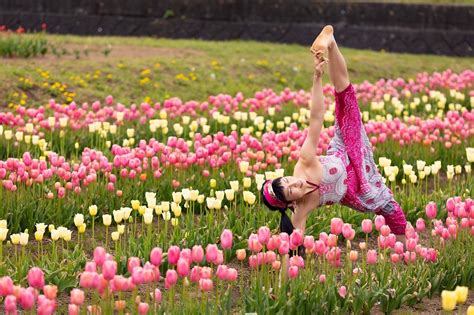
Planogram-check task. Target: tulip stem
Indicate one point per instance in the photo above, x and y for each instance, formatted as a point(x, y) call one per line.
point(93, 231)
point(106, 237)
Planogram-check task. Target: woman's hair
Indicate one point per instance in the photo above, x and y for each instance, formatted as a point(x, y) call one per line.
point(285, 222)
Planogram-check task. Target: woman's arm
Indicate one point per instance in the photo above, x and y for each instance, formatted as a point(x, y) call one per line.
point(308, 150)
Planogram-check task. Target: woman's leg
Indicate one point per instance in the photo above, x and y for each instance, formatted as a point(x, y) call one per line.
point(337, 67)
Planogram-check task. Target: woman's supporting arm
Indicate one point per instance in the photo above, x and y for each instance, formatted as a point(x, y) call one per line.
point(308, 150)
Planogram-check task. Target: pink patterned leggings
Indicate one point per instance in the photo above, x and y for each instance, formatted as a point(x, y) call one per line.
point(395, 219)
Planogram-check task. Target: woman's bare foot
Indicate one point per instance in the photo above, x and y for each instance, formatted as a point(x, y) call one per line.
point(324, 41)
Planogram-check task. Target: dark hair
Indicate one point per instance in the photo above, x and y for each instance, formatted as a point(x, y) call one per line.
point(285, 222)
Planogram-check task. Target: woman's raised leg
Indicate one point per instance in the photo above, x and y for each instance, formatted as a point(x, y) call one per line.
point(337, 67)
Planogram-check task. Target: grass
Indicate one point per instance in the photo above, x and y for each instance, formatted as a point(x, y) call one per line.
point(144, 68)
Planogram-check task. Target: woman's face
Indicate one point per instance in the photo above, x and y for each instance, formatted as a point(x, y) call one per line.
point(293, 187)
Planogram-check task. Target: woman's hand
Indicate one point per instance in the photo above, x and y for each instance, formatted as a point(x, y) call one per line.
point(319, 67)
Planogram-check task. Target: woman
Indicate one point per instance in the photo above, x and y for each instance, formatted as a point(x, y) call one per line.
point(347, 174)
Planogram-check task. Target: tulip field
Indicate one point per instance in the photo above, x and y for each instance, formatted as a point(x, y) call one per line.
point(154, 206)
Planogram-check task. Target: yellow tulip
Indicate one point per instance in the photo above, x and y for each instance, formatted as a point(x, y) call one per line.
point(82, 228)
point(126, 212)
point(229, 194)
point(107, 219)
point(135, 204)
point(3, 224)
point(247, 182)
point(3, 234)
point(174, 221)
point(78, 219)
point(39, 236)
point(234, 184)
point(158, 210)
point(165, 205)
point(118, 215)
point(141, 210)
point(166, 216)
point(470, 310)
point(15, 238)
point(93, 210)
point(55, 235)
point(212, 183)
point(243, 166)
point(148, 217)
point(121, 228)
point(200, 199)
point(220, 194)
point(177, 197)
point(115, 236)
point(461, 294)
point(448, 300)
point(23, 239)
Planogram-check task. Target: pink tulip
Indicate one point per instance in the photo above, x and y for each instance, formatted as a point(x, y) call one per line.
point(6, 286)
point(205, 285)
point(379, 222)
point(36, 278)
point(395, 258)
point(157, 295)
point(197, 254)
point(206, 272)
point(431, 210)
point(10, 304)
point(308, 242)
point(297, 261)
point(342, 291)
point(90, 266)
point(296, 239)
point(212, 253)
point(232, 274)
point(195, 274)
point(183, 267)
point(77, 297)
point(109, 269)
point(371, 257)
point(221, 272)
point(332, 240)
point(226, 239)
point(284, 248)
point(367, 226)
point(50, 291)
point(399, 248)
point(273, 242)
point(99, 255)
point(263, 235)
point(276, 265)
point(143, 308)
point(73, 309)
point(47, 307)
point(156, 256)
point(420, 225)
point(241, 254)
point(26, 299)
point(171, 277)
point(89, 280)
point(347, 231)
point(336, 226)
point(134, 262)
point(319, 247)
point(450, 204)
point(270, 257)
point(322, 278)
point(173, 255)
point(137, 276)
point(293, 272)
point(384, 230)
